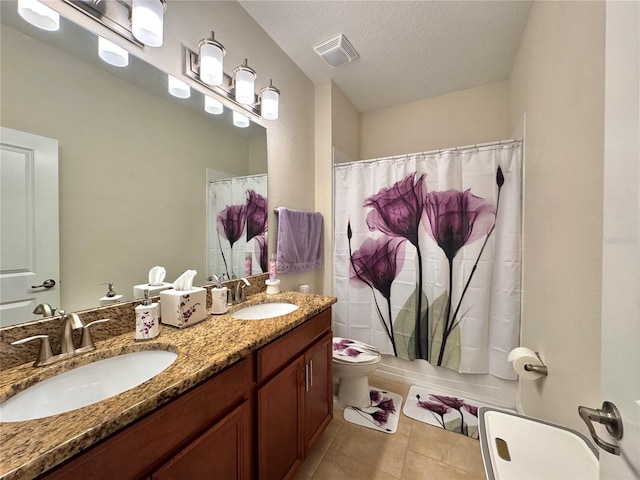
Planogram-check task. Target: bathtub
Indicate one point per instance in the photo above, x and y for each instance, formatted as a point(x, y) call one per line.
point(517, 447)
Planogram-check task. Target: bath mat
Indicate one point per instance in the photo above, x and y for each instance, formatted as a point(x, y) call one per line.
point(452, 413)
point(382, 415)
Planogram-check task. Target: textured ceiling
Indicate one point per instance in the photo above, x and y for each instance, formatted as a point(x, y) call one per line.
point(409, 50)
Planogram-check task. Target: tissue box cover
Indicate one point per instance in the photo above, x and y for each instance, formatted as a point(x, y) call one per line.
point(183, 308)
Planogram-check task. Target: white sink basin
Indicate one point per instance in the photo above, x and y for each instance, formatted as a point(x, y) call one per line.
point(264, 310)
point(85, 385)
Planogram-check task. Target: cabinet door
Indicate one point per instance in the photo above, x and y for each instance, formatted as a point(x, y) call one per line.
point(318, 390)
point(222, 452)
point(280, 438)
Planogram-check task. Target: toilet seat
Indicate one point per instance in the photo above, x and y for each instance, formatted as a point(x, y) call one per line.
point(353, 361)
point(361, 362)
point(348, 351)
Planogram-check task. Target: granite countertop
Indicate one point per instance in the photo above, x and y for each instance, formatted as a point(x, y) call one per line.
point(30, 448)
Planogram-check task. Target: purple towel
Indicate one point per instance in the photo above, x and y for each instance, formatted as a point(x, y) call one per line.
point(299, 241)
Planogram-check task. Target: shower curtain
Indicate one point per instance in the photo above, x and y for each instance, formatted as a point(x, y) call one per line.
point(427, 260)
point(237, 225)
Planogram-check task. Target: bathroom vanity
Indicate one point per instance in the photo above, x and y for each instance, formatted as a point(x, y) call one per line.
point(249, 400)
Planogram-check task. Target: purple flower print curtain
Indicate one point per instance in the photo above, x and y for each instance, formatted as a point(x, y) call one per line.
point(427, 260)
point(237, 225)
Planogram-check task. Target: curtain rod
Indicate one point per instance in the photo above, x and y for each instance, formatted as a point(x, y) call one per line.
point(433, 152)
point(243, 178)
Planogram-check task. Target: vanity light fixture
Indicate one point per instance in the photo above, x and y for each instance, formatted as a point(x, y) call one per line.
point(213, 106)
point(268, 98)
point(236, 92)
point(244, 78)
point(39, 15)
point(211, 61)
point(240, 120)
point(112, 53)
point(178, 88)
point(147, 19)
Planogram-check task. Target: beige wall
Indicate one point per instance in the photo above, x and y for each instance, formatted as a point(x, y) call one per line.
point(558, 81)
point(345, 124)
point(323, 171)
point(476, 115)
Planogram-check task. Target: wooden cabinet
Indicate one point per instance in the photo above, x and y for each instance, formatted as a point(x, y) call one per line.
point(257, 418)
point(222, 452)
point(175, 429)
point(294, 397)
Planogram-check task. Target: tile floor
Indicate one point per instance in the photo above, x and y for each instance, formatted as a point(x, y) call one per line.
point(416, 451)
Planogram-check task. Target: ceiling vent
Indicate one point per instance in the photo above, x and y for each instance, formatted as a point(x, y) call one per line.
point(336, 51)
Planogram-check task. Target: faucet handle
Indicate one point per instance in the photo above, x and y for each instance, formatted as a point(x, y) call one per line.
point(86, 342)
point(45, 310)
point(45, 352)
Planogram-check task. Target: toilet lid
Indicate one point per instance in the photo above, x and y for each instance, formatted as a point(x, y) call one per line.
point(353, 351)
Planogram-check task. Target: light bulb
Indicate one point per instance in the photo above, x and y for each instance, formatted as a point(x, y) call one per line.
point(211, 62)
point(147, 19)
point(240, 120)
point(244, 83)
point(112, 53)
point(39, 15)
point(269, 99)
point(213, 106)
point(178, 88)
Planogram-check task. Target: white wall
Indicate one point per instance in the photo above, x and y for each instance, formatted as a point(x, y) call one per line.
point(621, 239)
point(558, 81)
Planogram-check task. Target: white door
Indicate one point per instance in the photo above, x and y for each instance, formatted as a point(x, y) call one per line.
point(29, 239)
point(621, 246)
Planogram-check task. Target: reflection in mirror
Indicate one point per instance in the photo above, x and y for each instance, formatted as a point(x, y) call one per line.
point(132, 159)
point(236, 224)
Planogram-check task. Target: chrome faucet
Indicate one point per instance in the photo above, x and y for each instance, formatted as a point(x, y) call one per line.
point(236, 294)
point(70, 322)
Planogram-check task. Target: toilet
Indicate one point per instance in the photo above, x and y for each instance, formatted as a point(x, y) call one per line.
point(353, 361)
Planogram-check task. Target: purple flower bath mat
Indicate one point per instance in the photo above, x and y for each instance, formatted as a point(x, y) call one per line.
point(382, 415)
point(452, 413)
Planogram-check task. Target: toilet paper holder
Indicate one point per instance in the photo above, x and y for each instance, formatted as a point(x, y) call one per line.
point(541, 369)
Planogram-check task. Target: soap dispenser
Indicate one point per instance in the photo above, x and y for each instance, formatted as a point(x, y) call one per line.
point(218, 297)
point(147, 319)
point(110, 297)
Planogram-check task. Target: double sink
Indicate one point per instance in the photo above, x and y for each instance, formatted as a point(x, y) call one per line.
point(105, 378)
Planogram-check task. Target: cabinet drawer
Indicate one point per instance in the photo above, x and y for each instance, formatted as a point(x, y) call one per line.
point(144, 446)
point(279, 353)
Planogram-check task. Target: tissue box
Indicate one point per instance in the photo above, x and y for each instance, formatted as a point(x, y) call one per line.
point(183, 308)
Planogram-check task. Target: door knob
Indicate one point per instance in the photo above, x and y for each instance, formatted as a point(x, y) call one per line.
point(609, 416)
point(49, 283)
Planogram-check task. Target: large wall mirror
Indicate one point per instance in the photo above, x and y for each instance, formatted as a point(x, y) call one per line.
point(136, 165)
